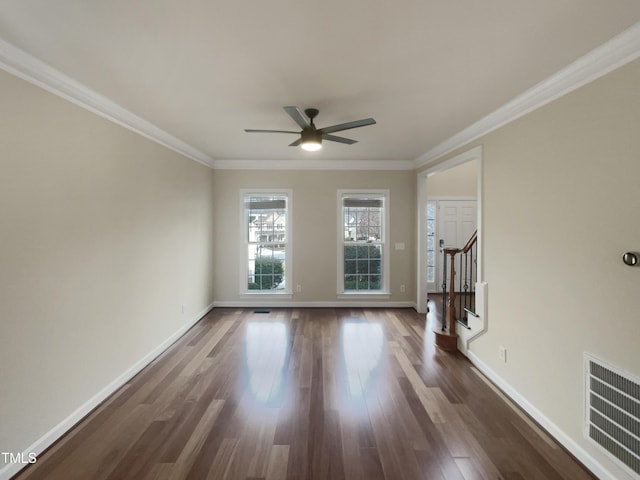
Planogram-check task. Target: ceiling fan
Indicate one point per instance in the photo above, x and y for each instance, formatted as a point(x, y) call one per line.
point(310, 136)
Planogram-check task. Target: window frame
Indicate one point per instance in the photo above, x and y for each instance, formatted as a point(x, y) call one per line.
point(244, 236)
point(385, 258)
point(431, 203)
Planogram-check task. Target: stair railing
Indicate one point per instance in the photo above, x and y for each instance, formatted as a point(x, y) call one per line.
point(458, 304)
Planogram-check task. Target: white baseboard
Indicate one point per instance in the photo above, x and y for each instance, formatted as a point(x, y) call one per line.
point(560, 436)
point(297, 304)
point(61, 428)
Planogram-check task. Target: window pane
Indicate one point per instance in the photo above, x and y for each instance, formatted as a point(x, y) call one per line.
point(268, 274)
point(266, 218)
point(350, 282)
point(431, 210)
point(349, 266)
point(350, 253)
point(431, 227)
point(375, 266)
point(431, 242)
point(362, 266)
point(362, 220)
point(431, 274)
point(375, 251)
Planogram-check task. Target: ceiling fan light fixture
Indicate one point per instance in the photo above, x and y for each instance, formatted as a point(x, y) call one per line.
point(311, 146)
point(311, 140)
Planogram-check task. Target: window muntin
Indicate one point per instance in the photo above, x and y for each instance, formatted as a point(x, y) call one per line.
point(363, 243)
point(267, 240)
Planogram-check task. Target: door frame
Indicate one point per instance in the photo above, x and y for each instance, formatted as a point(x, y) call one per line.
point(422, 194)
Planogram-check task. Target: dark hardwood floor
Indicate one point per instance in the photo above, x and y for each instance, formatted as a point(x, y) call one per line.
point(307, 394)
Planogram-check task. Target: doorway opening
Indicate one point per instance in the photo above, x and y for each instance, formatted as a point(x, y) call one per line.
point(449, 212)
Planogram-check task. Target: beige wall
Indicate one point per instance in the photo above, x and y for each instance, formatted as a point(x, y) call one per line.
point(314, 230)
point(458, 181)
point(561, 203)
point(104, 235)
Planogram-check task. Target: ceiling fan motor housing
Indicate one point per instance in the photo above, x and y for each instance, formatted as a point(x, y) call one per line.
point(311, 135)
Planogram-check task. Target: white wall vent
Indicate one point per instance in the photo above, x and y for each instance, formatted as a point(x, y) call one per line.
point(612, 413)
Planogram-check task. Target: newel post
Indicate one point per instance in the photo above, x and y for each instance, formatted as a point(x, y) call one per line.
point(447, 338)
point(451, 310)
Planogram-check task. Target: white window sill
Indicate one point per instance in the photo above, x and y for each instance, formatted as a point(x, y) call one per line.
point(266, 295)
point(378, 295)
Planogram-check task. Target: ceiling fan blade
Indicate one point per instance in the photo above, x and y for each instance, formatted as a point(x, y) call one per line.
point(251, 130)
point(298, 116)
point(346, 126)
point(296, 143)
point(333, 138)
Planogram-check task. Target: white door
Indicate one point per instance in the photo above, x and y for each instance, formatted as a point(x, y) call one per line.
point(457, 220)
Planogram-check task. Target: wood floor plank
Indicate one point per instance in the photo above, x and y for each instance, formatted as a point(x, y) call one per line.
point(307, 394)
point(193, 445)
point(160, 471)
point(223, 460)
point(278, 460)
point(259, 463)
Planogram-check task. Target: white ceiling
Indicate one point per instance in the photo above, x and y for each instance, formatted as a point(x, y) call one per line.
point(205, 70)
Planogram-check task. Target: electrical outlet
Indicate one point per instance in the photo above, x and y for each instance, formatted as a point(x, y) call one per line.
point(402, 288)
point(298, 288)
point(502, 353)
point(182, 310)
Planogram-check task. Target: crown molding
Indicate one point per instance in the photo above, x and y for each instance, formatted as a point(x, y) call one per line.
point(23, 65)
point(618, 51)
point(303, 164)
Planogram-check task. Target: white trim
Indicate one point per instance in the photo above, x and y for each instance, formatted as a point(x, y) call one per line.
point(268, 295)
point(567, 442)
point(25, 66)
point(306, 164)
point(363, 295)
point(464, 157)
point(44, 442)
point(618, 51)
point(365, 303)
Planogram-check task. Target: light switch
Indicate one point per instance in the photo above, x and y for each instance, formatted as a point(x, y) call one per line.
point(399, 245)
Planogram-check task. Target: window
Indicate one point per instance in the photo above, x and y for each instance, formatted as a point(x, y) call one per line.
point(265, 230)
point(363, 244)
point(431, 241)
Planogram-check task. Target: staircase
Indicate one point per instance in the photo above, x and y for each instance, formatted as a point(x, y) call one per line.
point(458, 295)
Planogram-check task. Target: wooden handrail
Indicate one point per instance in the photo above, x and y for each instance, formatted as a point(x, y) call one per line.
point(472, 240)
